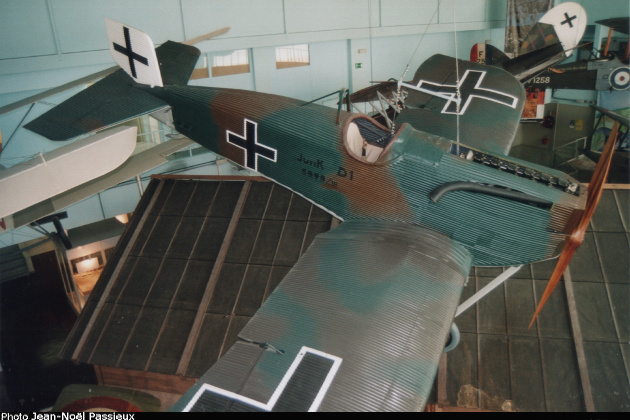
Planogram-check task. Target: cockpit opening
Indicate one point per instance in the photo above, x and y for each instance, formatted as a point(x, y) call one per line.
point(365, 140)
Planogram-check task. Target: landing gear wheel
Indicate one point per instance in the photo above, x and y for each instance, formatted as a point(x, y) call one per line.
point(453, 339)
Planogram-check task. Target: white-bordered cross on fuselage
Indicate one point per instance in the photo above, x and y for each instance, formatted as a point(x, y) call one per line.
point(249, 143)
point(130, 53)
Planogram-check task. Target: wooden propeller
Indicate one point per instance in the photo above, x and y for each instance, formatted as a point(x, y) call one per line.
point(594, 194)
point(207, 36)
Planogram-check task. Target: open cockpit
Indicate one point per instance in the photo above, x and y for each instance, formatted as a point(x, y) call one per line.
point(366, 140)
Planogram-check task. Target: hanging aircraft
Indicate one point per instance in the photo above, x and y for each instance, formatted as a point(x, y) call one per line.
point(79, 170)
point(607, 70)
point(551, 39)
point(362, 319)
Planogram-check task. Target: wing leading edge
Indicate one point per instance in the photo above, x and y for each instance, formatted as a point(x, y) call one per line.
point(359, 324)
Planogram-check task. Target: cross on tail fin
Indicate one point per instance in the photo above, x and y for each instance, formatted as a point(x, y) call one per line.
point(564, 23)
point(134, 52)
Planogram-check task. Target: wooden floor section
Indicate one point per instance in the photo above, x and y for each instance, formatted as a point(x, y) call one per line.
point(500, 364)
point(180, 328)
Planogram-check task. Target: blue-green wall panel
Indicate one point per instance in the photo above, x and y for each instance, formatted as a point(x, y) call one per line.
point(25, 29)
point(244, 17)
point(80, 25)
point(408, 12)
point(326, 15)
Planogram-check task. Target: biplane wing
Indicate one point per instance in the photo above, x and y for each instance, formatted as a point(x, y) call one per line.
point(358, 324)
point(54, 200)
point(64, 168)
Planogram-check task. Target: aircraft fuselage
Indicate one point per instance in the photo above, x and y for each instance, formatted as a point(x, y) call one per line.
point(303, 147)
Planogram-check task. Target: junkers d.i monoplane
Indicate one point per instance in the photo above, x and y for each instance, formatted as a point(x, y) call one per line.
point(361, 321)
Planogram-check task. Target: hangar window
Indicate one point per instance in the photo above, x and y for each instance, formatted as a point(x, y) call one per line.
point(292, 56)
point(236, 62)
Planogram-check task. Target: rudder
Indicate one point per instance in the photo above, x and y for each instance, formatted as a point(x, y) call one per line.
point(134, 52)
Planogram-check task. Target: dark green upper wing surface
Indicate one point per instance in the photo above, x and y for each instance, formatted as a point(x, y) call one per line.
point(490, 106)
point(490, 102)
point(359, 324)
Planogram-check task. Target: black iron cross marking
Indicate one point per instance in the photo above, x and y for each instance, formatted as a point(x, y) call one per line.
point(302, 388)
point(469, 87)
point(250, 144)
point(568, 20)
point(131, 55)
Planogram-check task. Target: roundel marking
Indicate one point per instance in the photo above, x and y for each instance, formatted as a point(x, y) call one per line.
point(620, 78)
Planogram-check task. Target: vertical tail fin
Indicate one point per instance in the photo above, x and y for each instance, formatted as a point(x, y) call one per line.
point(564, 23)
point(134, 52)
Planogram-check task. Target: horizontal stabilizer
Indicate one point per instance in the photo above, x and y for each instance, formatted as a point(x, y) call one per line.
point(108, 102)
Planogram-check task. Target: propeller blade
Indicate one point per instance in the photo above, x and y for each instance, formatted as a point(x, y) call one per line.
point(207, 36)
point(595, 192)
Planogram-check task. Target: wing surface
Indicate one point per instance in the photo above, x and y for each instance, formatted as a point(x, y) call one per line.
point(359, 324)
point(490, 107)
point(109, 101)
point(137, 164)
point(486, 115)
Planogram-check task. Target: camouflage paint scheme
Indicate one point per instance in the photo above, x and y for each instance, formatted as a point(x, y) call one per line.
point(313, 160)
point(373, 294)
point(361, 320)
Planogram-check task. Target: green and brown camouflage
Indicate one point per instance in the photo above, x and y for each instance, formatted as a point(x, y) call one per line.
point(361, 320)
point(307, 148)
point(308, 152)
point(372, 297)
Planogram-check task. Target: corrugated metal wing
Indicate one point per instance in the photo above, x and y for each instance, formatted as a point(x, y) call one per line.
point(359, 324)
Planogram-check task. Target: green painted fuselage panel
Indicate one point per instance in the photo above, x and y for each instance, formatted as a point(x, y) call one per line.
point(301, 146)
